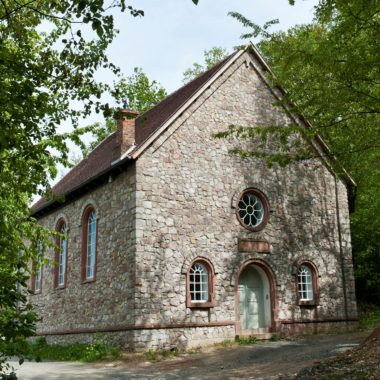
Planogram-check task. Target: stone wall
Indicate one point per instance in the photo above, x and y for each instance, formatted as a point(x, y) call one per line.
point(109, 300)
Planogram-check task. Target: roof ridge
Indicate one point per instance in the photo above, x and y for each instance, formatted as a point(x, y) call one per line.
point(100, 159)
point(224, 60)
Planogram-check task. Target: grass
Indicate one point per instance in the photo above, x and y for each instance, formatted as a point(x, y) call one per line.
point(96, 350)
point(156, 355)
point(369, 316)
point(246, 340)
point(275, 338)
point(237, 342)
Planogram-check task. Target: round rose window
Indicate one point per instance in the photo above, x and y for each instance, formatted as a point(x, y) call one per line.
point(252, 209)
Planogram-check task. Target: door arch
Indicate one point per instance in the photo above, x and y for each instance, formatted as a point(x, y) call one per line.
point(255, 298)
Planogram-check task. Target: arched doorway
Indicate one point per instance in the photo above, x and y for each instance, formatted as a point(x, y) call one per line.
point(254, 300)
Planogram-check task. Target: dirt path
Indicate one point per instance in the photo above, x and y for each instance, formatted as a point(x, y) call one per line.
point(264, 360)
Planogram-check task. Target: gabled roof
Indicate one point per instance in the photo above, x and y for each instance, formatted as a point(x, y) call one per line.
point(96, 168)
point(100, 161)
point(151, 120)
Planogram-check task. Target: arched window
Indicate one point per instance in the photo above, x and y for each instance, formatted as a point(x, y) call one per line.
point(37, 269)
point(307, 287)
point(200, 284)
point(305, 283)
point(89, 234)
point(60, 270)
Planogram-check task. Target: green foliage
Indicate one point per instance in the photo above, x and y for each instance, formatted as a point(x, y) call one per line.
point(40, 350)
point(330, 70)
point(275, 338)
point(256, 29)
point(155, 355)
point(211, 58)
point(138, 92)
point(369, 316)
point(100, 349)
point(99, 131)
point(367, 268)
point(239, 341)
point(246, 340)
point(42, 74)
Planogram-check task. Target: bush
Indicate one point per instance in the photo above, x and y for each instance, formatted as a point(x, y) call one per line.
point(246, 340)
point(98, 349)
point(369, 315)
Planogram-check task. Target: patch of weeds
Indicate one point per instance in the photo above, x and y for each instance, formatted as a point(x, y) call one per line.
point(238, 341)
point(194, 350)
point(246, 340)
point(275, 338)
point(226, 343)
point(155, 355)
point(98, 349)
point(369, 316)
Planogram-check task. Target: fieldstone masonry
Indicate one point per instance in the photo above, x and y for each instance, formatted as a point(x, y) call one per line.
point(176, 203)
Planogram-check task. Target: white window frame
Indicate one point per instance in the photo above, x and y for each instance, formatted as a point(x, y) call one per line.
point(91, 245)
point(61, 279)
point(305, 283)
point(38, 271)
point(199, 283)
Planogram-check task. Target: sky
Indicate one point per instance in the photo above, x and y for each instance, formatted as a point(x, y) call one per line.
point(173, 34)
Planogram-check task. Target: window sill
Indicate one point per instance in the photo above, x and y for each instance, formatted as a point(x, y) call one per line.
point(61, 287)
point(308, 303)
point(88, 281)
point(199, 305)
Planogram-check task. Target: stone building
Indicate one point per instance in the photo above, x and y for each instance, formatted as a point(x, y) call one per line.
point(173, 241)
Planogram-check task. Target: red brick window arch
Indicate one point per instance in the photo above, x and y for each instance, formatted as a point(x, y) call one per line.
point(307, 283)
point(200, 284)
point(89, 244)
point(61, 255)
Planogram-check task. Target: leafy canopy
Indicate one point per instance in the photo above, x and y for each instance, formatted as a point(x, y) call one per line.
point(211, 58)
point(138, 93)
point(48, 61)
point(330, 69)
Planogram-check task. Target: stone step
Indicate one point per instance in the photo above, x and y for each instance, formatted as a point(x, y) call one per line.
point(259, 334)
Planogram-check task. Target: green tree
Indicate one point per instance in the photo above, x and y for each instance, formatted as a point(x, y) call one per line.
point(42, 74)
point(138, 92)
point(330, 70)
point(211, 58)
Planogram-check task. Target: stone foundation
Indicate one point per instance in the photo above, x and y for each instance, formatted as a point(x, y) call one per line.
point(317, 327)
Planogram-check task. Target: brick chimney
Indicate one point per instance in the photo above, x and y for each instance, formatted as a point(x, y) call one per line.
point(125, 119)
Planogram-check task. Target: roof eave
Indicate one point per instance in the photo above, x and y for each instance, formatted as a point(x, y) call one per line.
point(98, 179)
point(144, 145)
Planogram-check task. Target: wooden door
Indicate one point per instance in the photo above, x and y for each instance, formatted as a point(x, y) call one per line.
point(251, 306)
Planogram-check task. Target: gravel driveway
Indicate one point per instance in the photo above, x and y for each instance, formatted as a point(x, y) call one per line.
point(263, 360)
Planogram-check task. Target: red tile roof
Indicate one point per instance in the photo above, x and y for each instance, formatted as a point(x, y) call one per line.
point(101, 158)
point(152, 119)
point(96, 162)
